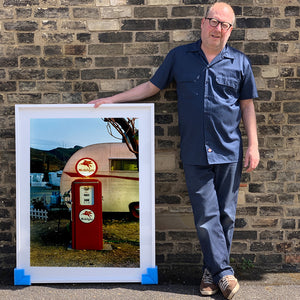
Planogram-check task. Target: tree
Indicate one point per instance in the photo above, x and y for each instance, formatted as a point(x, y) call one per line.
point(126, 128)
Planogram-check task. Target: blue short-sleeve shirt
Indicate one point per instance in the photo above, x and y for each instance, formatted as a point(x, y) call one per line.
point(209, 96)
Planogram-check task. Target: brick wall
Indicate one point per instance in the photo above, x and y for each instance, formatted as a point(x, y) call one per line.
point(72, 51)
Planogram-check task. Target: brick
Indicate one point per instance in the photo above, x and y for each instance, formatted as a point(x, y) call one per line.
point(167, 199)
point(269, 259)
point(150, 12)
point(186, 258)
point(31, 98)
point(116, 12)
point(79, 50)
point(268, 198)
point(259, 59)
point(76, 2)
point(86, 87)
point(114, 49)
point(7, 38)
point(238, 247)
point(174, 24)
point(244, 235)
point(8, 62)
point(55, 74)
point(187, 11)
point(288, 224)
point(133, 73)
point(115, 85)
point(293, 212)
point(260, 246)
point(56, 62)
point(254, 47)
point(8, 86)
point(253, 22)
point(71, 98)
point(20, 2)
point(271, 235)
point(256, 188)
point(89, 74)
point(265, 223)
point(53, 38)
point(271, 211)
point(25, 38)
point(153, 61)
point(134, 25)
point(285, 36)
point(86, 12)
point(53, 50)
point(82, 62)
point(21, 26)
point(27, 74)
point(4, 213)
point(111, 61)
point(23, 13)
point(115, 37)
point(152, 37)
point(52, 12)
point(293, 235)
point(54, 86)
point(282, 23)
point(73, 25)
point(162, 2)
point(291, 11)
point(292, 259)
point(83, 37)
point(287, 95)
point(240, 223)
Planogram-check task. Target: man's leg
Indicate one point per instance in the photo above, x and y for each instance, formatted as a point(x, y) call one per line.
point(214, 217)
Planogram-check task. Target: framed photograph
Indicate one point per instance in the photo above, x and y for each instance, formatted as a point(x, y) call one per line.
point(85, 209)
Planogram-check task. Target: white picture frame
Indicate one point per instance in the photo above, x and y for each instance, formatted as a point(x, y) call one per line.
point(25, 274)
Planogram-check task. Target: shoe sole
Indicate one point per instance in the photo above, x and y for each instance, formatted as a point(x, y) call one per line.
point(234, 291)
point(208, 293)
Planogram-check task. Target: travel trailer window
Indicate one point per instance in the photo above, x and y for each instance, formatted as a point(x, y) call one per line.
point(123, 165)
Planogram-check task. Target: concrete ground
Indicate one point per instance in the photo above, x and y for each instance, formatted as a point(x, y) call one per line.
point(280, 286)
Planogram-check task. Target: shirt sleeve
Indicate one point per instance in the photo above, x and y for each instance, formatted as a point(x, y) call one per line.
point(248, 89)
point(164, 74)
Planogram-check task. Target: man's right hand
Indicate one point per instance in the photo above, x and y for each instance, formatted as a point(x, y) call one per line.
point(100, 101)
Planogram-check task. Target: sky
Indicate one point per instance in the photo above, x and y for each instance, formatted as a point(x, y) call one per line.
point(48, 134)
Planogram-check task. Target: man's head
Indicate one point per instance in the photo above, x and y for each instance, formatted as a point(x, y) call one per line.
point(216, 27)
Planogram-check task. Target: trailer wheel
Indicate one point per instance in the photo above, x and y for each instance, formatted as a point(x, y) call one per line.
point(134, 209)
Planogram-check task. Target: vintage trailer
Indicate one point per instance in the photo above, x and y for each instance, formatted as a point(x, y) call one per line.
point(116, 170)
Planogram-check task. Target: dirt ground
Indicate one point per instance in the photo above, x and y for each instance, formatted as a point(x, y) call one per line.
point(51, 245)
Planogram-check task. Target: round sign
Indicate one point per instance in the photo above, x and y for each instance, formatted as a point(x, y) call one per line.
point(86, 216)
point(86, 167)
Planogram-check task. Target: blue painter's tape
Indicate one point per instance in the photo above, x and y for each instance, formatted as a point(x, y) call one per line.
point(151, 277)
point(20, 278)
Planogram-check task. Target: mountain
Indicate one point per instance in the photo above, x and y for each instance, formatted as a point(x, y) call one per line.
point(44, 161)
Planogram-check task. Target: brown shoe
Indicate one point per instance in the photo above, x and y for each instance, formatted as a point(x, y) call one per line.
point(207, 286)
point(229, 286)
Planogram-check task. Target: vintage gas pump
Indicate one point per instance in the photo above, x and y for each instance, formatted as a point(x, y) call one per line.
point(87, 231)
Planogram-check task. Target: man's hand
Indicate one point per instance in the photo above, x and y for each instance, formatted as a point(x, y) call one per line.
point(100, 101)
point(251, 159)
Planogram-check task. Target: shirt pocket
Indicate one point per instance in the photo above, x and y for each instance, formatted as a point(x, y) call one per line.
point(228, 87)
point(188, 86)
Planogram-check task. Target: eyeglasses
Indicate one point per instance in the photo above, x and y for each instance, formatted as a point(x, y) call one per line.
point(214, 23)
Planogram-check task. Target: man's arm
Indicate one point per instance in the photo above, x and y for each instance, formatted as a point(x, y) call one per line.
point(139, 92)
point(249, 120)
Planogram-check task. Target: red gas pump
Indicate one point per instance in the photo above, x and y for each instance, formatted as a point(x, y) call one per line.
point(87, 231)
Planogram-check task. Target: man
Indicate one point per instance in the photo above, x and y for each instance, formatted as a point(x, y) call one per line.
point(215, 88)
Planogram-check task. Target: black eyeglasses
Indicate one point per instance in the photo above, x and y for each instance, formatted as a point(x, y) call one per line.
point(214, 23)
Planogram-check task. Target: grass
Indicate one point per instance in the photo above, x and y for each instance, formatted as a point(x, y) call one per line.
point(50, 241)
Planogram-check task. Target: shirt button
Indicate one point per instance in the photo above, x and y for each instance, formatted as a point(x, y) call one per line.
point(209, 150)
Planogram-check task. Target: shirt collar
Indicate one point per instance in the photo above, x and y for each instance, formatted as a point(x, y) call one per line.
point(225, 53)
